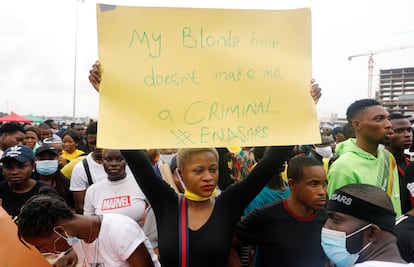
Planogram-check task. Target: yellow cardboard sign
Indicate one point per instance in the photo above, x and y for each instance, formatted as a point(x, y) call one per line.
point(188, 77)
point(12, 252)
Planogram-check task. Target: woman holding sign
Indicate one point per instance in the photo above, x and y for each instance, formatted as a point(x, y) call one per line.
point(196, 229)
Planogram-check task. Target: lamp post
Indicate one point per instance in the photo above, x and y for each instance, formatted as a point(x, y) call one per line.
point(75, 61)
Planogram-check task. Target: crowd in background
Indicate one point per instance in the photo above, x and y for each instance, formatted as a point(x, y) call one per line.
point(343, 201)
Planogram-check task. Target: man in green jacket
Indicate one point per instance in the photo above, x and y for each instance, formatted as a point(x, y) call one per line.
point(362, 160)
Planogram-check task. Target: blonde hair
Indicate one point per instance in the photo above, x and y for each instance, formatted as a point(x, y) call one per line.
point(185, 153)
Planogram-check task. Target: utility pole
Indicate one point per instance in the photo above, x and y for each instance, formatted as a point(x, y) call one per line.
point(75, 59)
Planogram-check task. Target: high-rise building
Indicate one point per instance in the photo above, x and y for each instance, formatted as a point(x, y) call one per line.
point(396, 90)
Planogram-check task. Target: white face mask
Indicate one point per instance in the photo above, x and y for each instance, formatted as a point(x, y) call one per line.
point(325, 152)
point(166, 158)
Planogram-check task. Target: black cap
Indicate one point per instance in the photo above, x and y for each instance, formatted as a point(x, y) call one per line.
point(20, 153)
point(46, 147)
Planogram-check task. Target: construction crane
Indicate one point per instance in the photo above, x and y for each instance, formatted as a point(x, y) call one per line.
point(370, 55)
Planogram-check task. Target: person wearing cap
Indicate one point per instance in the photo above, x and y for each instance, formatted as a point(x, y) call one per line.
point(18, 166)
point(47, 171)
point(326, 129)
point(361, 228)
point(362, 159)
point(55, 142)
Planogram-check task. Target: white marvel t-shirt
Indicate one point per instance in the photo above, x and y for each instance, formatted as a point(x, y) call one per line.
point(123, 196)
point(382, 264)
point(118, 238)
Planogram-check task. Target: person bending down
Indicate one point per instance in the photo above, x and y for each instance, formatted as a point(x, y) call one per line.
point(47, 223)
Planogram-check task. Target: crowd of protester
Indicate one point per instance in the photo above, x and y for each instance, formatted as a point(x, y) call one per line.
point(346, 200)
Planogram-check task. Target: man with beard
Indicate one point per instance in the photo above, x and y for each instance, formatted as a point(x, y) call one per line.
point(401, 140)
point(362, 159)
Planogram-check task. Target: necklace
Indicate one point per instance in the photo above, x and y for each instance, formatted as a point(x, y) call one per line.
point(95, 258)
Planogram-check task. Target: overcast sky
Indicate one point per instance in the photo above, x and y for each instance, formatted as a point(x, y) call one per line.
point(37, 49)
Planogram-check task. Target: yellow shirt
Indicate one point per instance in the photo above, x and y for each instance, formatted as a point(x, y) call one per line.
point(71, 156)
point(67, 169)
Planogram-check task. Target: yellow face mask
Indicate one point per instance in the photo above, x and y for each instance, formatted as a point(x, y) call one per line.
point(194, 197)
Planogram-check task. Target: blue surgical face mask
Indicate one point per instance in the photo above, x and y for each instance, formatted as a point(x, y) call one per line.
point(71, 240)
point(46, 167)
point(334, 245)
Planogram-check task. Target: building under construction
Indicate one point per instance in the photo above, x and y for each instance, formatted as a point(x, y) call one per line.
point(396, 90)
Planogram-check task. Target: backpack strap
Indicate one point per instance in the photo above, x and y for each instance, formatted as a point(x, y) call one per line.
point(183, 232)
point(88, 172)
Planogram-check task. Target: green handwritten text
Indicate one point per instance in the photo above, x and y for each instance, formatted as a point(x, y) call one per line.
point(199, 111)
point(200, 39)
point(174, 78)
point(152, 41)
